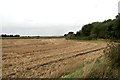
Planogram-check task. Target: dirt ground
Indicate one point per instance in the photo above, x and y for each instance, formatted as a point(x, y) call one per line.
point(46, 58)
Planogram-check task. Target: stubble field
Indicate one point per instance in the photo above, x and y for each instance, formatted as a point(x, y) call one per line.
point(46, 58)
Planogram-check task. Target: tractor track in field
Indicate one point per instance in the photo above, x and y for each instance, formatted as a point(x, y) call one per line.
point(35, 67)
point(24, 54)
point(80, 53)
point(50, 56)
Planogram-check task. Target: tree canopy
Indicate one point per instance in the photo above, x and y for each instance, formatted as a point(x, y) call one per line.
point(108, 29)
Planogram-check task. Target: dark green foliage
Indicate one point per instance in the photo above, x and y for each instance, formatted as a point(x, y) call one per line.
point(108, 29)
point(65, 34)
point(5, 35)
point(16, 35)
point(86, 30)
point(71, 33)
point(78, 33)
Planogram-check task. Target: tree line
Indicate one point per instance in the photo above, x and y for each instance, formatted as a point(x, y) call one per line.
point(5, 35)
point(108, 29)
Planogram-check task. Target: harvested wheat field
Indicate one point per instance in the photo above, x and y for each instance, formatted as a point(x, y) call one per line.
point(46, 58)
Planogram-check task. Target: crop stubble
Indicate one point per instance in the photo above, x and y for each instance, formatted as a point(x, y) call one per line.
point(46, 58)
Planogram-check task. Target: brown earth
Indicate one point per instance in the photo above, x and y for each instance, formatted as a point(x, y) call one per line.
point(46, 58)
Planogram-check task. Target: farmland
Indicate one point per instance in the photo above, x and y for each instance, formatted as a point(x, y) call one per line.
point(46, 58)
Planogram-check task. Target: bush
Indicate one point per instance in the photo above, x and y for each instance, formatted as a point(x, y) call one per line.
point(108, 65)
point(113, 54)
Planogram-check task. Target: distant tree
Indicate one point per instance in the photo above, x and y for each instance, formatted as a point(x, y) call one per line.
point(78, 33)
point(86, 30)
point(71, 33)
point(10, 36)
point(95, 32)
point(65, 34)
point(5, 35)
point(16, 35)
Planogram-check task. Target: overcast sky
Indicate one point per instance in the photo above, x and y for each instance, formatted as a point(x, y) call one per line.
point(53, 17)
